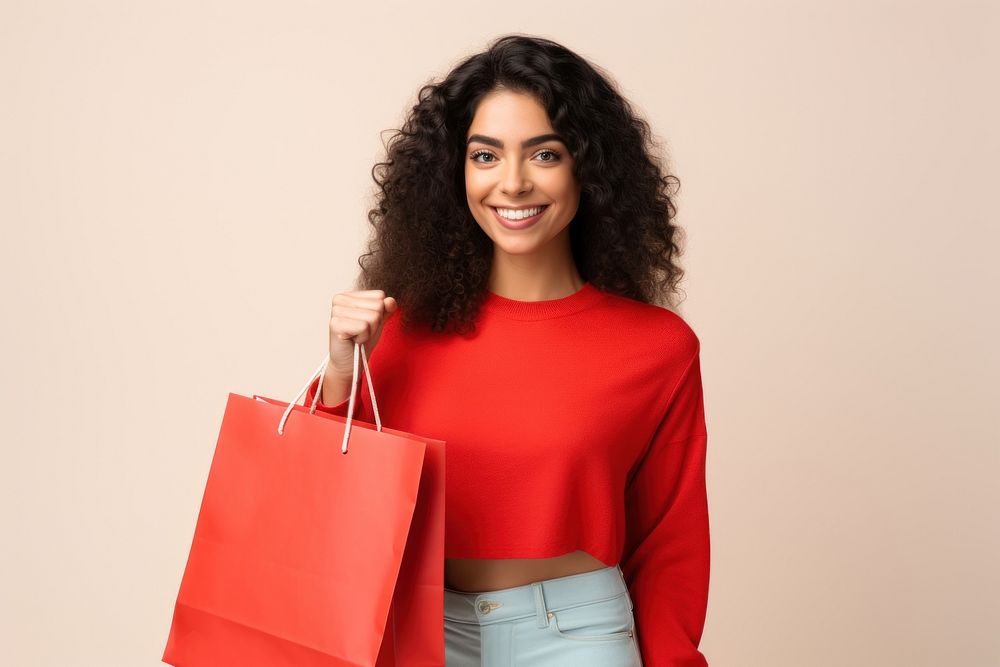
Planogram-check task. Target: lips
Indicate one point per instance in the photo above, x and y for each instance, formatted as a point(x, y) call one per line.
point(519, 224)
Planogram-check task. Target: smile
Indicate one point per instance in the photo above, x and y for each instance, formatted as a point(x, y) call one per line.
point(516, 221)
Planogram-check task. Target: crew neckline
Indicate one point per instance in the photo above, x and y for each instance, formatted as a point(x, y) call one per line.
point(544, 309)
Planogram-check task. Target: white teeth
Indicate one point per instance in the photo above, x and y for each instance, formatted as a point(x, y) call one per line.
point(511, 214)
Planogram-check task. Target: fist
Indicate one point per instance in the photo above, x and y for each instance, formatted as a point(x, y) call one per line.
point(356, 316)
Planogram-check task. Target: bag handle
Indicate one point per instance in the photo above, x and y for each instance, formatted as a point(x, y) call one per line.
point(319, 372)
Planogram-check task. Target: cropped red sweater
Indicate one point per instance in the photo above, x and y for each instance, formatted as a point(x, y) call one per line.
point(569, 423)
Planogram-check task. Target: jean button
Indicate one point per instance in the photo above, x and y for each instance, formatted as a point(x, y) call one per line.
point(486, 606)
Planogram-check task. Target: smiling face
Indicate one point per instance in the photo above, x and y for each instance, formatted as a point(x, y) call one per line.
point(519, 178)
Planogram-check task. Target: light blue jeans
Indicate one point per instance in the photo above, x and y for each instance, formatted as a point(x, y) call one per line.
point(580, 620)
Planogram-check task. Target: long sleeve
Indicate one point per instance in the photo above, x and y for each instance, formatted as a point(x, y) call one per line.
point(666, 556)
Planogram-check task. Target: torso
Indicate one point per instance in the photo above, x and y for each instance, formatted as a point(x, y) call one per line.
point(481, 574)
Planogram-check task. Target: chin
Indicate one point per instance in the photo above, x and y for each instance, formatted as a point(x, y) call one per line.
point(518, 246)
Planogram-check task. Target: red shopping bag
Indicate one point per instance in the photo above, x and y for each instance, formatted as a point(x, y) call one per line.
point(313, 554)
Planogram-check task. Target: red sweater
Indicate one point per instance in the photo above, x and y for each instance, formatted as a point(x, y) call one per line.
point(570, 423)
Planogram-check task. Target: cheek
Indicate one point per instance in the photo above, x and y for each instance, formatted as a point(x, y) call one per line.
point(475, 189)
point(559, 183)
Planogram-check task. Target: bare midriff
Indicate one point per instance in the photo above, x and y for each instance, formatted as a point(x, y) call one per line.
point(473, 575)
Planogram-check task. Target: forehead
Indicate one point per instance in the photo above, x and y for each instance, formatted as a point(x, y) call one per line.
point(507, 114)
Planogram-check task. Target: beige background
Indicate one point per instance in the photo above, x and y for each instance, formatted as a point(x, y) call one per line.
point(183, 188)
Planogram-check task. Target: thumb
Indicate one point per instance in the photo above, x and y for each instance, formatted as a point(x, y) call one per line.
point(390, 304)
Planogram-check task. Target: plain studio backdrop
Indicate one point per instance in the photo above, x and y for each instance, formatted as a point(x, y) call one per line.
point(183, 188)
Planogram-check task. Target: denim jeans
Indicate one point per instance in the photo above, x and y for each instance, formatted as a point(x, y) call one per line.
point(580, 620)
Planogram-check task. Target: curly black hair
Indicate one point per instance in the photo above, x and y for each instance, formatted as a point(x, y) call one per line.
point(426, 249)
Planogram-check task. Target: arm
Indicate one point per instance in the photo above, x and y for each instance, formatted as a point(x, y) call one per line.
point(666, 556)
point(336, 387)
point(341, 387)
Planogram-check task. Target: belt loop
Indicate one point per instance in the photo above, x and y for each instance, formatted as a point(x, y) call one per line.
point(541, 613)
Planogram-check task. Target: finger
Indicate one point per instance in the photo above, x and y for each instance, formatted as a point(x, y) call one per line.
point(360, 312)
point(369, 298)
point(349, 327)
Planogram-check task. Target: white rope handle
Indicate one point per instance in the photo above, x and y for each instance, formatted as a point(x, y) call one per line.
point(319, 372)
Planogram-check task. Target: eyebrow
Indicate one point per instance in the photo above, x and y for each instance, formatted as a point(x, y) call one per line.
point(542, 138)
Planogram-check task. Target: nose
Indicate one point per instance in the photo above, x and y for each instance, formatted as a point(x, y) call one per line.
point(514, 181)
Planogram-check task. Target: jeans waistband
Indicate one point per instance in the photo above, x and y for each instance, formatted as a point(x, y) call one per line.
point(534, 599)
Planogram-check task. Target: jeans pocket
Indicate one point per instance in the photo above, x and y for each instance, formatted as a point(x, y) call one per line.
point(604, 620)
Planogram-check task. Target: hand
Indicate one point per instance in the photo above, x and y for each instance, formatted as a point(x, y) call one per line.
point(356, 316)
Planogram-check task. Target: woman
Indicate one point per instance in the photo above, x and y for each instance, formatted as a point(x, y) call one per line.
point(521, 238)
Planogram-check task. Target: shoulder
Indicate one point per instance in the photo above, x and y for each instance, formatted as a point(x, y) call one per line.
point(399, 328)
point(658, 330)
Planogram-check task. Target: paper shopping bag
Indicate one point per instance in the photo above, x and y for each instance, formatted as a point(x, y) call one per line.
point(415, 632)
point(309, 553)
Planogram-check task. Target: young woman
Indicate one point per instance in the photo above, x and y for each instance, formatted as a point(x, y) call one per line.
point(521, 242)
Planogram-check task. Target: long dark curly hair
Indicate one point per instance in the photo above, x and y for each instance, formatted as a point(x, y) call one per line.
point(425, 247)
